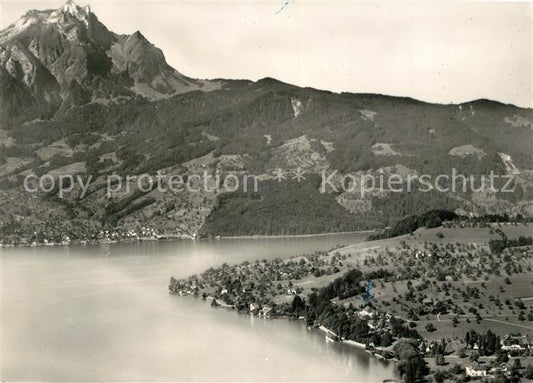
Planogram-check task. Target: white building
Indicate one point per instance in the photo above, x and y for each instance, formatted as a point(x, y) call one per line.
point(476, 371)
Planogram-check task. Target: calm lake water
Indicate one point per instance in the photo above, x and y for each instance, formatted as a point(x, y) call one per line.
point(103, 312)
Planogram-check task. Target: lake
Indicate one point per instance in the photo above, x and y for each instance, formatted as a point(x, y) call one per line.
point(103, 313)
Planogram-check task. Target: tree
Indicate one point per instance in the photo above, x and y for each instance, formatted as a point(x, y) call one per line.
point(490, 343)
point(298, 306)
point(415, 369)
point(517, 364)
point(457, 369)
point(412, 365)
point(439, 376)
point(386, 339)
point(502, 357)
point(528, 373)
point(455, 321)
point(430, 327)
point(440, 360)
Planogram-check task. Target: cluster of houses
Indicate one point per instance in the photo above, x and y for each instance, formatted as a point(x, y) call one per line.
point(115, 235)
point(60, 240)
point(477, 370)
point(145, 233)
point(516, 345)
point(260, 310)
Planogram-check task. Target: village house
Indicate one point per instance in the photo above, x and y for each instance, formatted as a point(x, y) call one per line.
point(254, 308)
point(515, 343)
point(265, 311)
point(427, 302)
point(372, 326)
point(367, 312)
point(476, 370)
point(291, 291)
point(423, 347)
point(501, 369)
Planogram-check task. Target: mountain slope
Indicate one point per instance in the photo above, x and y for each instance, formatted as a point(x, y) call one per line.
point(79, 99)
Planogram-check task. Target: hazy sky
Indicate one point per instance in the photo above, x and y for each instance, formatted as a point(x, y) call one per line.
point(434, 51)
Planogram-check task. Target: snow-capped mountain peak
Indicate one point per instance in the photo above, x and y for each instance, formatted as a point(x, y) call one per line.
point(71, 8)
point(66, 16)
point(50, 55)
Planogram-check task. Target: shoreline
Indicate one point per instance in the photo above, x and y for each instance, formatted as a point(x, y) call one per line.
point(278, 236)
point(99, 242)
point(185, 237)
point(357, 345)
point(353, 344)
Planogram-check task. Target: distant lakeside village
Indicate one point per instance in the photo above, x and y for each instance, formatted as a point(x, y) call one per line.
point(144, 233)
point(51, 236)
point(445, 303)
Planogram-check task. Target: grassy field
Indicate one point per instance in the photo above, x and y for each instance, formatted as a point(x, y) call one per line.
point(492, 297)
point(478, 236)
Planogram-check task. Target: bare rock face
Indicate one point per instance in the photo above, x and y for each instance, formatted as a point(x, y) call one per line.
point(47, 51)
point(17, 102)
point(146, 65)
point(69, 42)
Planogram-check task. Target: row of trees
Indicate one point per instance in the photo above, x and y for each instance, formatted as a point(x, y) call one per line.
point(433, 218)
point(488, 343)
point(498, 245)
point(341, 319)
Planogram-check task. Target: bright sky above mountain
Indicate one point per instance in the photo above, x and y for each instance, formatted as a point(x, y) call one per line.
point(433, 51)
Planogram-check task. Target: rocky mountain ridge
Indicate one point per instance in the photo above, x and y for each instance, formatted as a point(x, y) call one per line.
point(67, 57)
